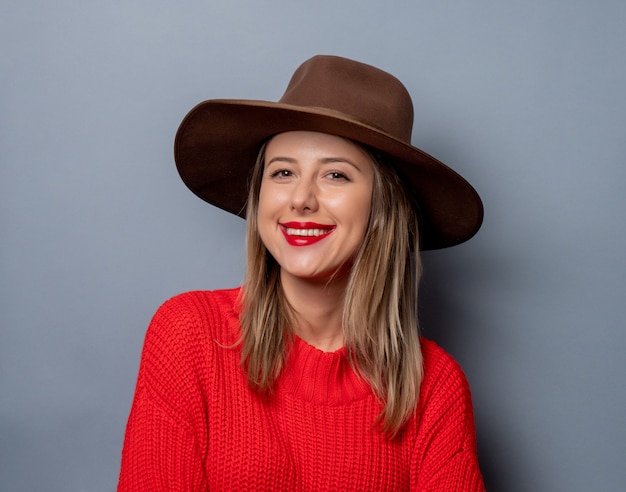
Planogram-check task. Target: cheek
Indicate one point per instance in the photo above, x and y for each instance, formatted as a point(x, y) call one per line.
point(268, 214)
point(263, 225)
point(354, 214)
point(271, 199)
point(364, 206)
point(266, 205)
point(262, 218)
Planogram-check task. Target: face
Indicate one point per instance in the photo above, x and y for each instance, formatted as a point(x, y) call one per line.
point(314, 203)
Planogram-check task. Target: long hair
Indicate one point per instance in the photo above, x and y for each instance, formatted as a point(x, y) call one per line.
point(380, 326)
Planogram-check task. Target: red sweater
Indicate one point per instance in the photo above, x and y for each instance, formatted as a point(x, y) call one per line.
point(195, 425)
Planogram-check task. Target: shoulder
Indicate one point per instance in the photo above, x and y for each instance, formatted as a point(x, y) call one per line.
point(439, 363)
point(181, 341)
point(202, 302)
point(186, 327)
point(444, 382)
point(204, 314)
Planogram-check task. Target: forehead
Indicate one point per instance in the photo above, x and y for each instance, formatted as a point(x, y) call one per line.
point(315, 144)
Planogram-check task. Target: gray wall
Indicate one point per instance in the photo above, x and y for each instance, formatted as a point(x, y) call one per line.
point(524, 98)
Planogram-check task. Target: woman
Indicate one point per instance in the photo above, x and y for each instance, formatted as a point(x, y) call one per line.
point(312, 375)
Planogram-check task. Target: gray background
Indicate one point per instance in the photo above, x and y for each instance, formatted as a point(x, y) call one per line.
point(524, 98)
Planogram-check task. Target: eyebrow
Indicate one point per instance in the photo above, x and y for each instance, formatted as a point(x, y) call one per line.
point(282, 159)
point(325, 160)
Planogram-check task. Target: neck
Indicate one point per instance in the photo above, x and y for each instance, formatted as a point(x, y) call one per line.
point(319, 309)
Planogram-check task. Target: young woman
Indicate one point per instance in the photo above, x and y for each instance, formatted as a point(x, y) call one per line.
point(311, 376)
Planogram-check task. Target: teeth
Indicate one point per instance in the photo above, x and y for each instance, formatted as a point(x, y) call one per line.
point(306, 232)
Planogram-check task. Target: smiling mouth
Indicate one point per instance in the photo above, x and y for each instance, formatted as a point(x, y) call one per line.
point(305, 234)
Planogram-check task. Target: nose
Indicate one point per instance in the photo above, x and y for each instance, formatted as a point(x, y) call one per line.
point(304, 196)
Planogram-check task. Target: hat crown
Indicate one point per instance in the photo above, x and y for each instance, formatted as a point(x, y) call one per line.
point(359, 91)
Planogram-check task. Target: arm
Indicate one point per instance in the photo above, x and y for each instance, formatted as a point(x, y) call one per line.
point(445, 456)
point(160, 451)
point(166, 433)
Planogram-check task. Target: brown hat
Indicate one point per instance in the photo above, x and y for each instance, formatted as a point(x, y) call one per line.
point(218, 142)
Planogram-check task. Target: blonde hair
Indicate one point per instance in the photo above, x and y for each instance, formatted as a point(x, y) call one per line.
point(380, 324)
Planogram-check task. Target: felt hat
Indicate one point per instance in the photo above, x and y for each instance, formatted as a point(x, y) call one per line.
point(218, 141)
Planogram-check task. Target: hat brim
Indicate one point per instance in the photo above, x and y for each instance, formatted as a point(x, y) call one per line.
point(218, 142)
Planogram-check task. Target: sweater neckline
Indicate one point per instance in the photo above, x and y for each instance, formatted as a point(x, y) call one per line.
point(323, 378)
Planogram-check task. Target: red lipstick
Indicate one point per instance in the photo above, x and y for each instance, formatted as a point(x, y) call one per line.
point(305, 233)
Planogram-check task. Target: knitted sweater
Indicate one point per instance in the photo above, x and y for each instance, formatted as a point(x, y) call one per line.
point(195, 425)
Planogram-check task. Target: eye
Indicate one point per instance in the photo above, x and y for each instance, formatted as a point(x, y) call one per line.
point(281, 173)
point(337, 176)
